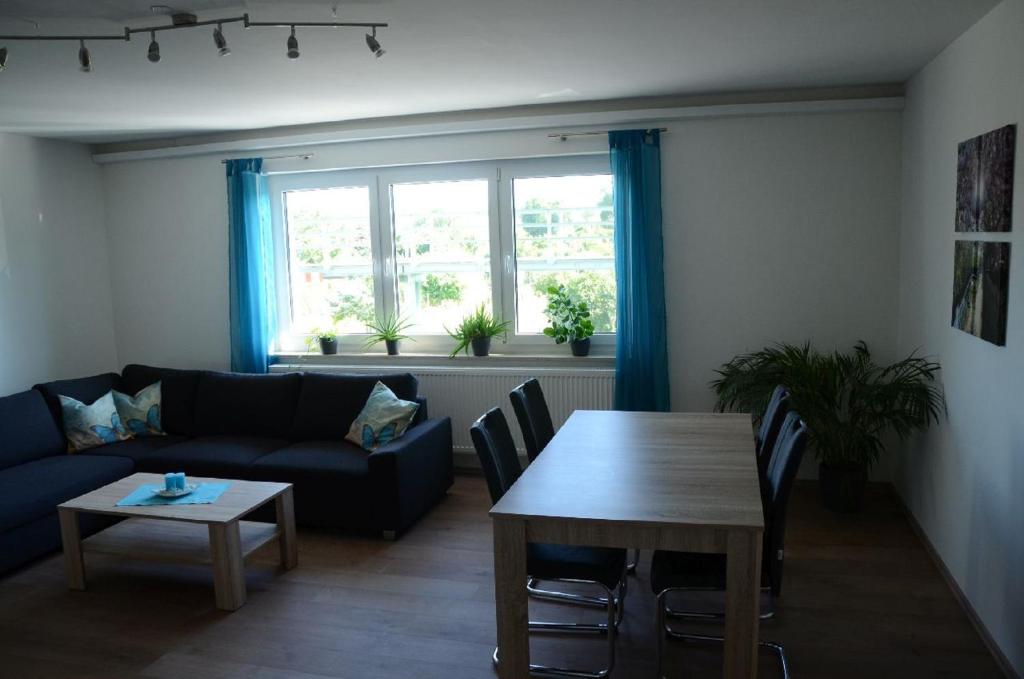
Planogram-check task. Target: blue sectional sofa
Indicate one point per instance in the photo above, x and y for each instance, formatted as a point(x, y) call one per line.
point(284, 427)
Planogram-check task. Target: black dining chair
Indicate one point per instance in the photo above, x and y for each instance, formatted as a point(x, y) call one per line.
point(771, 422)
point(685, 571)
point(535, 423)
point(531, 410)
point(601, 567)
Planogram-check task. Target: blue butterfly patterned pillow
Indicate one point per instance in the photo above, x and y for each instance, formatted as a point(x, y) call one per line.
point(88, 426)
point(140, 414)
point(384, 418)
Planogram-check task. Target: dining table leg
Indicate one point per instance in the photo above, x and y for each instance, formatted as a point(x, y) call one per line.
point(742, 603)
point(511, 605)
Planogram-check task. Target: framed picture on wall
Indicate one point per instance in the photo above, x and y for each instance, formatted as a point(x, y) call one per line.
point(981, 276)
point(984, 181)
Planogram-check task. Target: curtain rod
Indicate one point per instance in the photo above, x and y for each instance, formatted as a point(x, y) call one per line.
point(565, 135)
point(303, 156)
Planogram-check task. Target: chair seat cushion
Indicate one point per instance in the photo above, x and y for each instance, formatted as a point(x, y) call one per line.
point(331, 479)
point(690, 570)
point(32, 490)
point(228, 457)
point(600, 564)
point(135, 449)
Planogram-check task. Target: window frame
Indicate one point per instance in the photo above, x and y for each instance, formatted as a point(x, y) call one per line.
point(499, 175)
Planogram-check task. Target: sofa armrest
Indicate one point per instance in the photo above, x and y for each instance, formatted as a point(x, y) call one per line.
point(411, 474)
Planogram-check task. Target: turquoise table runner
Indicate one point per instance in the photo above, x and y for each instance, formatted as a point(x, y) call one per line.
point(145, 494)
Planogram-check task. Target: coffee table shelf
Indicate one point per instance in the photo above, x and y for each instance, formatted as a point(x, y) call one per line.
point(174, 541)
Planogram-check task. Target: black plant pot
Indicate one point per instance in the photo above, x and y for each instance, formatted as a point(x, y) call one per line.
point(328, 346)
point(580, 347)
point(481, 346)
point(392, 346)
point(842, 486)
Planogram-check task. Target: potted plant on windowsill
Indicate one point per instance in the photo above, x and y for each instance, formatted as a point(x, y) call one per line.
point(848, 402)
point(325, 340)
point(389, 331)
point(570, 321)
point(476, 331)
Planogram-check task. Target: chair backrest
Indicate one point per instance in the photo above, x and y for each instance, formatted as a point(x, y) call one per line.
point(771, 422)
point(784, 463)
point(534, 417)
point(497, 452)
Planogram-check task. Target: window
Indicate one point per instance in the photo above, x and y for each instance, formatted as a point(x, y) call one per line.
point(433, 243)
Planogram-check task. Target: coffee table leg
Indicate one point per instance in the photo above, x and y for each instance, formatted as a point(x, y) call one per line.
point(71, 538)
point(286, 529)
point(228, 566)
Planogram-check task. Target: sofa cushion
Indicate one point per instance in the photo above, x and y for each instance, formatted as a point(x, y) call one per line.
point(136, 449)
point(177, 393)
point(331, 479)
point(384, 418)
point(84, 389)
point(88, 426)
point(28, 430)
point(328, 404)
point(234, 404)
point(34, 489)
point(227, 457)
point(140, 413)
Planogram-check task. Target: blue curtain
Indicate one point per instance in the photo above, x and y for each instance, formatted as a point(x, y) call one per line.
point(251, 252)
point(641, 356)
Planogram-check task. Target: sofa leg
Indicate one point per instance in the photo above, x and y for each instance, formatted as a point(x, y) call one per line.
point(389, 535)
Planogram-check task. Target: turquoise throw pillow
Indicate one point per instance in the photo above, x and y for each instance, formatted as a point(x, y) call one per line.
point(140, 414)
point(383, 419)
point(88, 426)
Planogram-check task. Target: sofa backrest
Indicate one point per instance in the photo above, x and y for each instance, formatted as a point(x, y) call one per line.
point(178, 391)
point(27, 429)
point(246, 405)
point(328, 403)
point(84, 389)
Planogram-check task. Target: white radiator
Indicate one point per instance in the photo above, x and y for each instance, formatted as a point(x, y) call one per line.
point(464, 394)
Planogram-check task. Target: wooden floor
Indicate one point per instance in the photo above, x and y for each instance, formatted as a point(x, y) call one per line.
point(861, 599)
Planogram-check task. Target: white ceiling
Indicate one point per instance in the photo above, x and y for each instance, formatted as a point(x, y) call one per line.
point(446, 55)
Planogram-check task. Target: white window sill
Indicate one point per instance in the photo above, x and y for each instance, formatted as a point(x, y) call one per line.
point(408, 361)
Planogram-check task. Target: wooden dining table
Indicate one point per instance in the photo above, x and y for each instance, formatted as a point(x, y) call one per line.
point(673, 481)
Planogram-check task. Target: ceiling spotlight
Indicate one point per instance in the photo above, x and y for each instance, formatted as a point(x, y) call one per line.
point(3, 58)
point(222, 44)
point(84, 60)
point(371, 42)
point(154, 48)
point(293, 45)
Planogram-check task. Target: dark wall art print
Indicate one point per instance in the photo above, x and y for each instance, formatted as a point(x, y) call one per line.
point(984, 181)
point(981, 276)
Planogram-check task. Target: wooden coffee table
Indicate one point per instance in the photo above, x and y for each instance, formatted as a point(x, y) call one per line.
point(204, 533)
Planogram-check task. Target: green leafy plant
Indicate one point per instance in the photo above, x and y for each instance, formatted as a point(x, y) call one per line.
point(478, 324)
point(317, 334)
point(569, 320)
point(388, 329)
point(847, 401)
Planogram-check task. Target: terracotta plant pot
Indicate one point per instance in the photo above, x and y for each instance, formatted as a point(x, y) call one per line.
point(481, 346)
point(580, 347)
point(842, 486)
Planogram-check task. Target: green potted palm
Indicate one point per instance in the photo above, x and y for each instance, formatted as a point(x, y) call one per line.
point(848, 402)
point(476, 330)
point(388, 330)
point(569, 321)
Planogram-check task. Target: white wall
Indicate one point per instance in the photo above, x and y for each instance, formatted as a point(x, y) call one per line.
point(56, 317)
point(777, 227)
point(964, 481)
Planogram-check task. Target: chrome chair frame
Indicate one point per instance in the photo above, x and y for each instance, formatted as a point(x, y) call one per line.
point(614, 603)
point(664, 629)
point(707, 616)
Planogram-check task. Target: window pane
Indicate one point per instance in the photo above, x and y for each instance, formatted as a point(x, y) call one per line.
point(564, 236)
point(442, 251)
point(331, 263)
